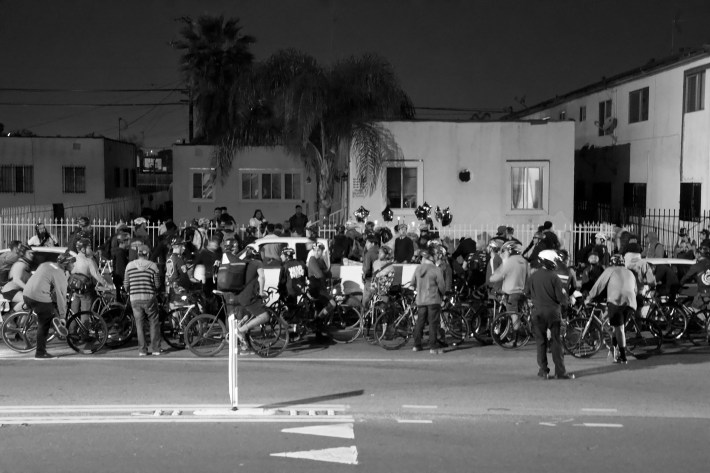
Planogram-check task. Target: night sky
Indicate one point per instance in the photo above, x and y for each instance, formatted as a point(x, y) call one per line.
point(447, 53)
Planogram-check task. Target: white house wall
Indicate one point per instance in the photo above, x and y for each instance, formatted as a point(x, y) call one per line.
point(656, 142)
point(227, 192)
point(443, 149)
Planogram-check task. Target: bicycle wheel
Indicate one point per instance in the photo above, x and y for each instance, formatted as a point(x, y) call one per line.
point(455, 327)
point(581, 341)
point(205, 335)
point(19, 332)
point(344, 325)
point(270, 338)
point(510, 330)
point(676, 321)
point(120, 324)
point(642, 337)
point(87, 332)
point(172, 326)
point(370, 319)
point(480, 325)
point(392, 329)
point(696, 331)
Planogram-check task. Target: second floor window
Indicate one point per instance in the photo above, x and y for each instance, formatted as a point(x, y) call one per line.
point(202, 184)
point(16, 179)
point(638, 105)
point(582, 113)
point(695, 91)
point(604, 114)
point(74, 180)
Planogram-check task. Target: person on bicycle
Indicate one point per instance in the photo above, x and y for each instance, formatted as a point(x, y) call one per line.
point(251, 298)
point(493, 263)
point(19, 275)
point(591, 272)
point(177, 278)
point(372, 250)
point(318, 276)
point(292, 277)
point(645, 279)
point(119, 260)
point(700, 271)
point(46, 294)
point(7, 259)
point(513, 274)
point(141, 281)
point(621, 288)
point(428, 280)
point(87, 270)
point(545, 289)
point(383, 271)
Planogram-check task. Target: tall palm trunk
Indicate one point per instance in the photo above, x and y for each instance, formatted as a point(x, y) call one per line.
point(325, 181)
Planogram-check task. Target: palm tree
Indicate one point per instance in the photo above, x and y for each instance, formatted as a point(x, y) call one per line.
point(322, 116)
point(216, 55)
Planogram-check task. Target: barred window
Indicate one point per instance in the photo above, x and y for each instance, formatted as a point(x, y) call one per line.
point(74, 179)
point(17, 179)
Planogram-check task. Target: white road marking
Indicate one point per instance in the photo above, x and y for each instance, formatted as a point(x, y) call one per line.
point(413, 421)
point(415, 406)
point(346, 455)
point(148, 419)
point(153, 407)
point(548, 424)
point(342, 431)
point(611, 426)
point(592, 409)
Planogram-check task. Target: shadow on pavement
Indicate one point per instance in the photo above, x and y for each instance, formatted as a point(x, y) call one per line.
point(313, 400)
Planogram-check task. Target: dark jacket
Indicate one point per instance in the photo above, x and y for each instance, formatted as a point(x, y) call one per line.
point(544, 288)
point(403, 249)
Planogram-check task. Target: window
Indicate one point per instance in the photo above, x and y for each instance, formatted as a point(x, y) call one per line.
point(133, 178)
point(635, 195)
point(117, 177)
point(202, 184)
point(638, 105)
point(74, 180)
point(604, 113)
point(695, 91)
point(582, 113)
point(402, 188)
point(125, 178)
point(267, 185)
point(690, 201)
point(563, 115)
point(17, 179)
point(528, 185)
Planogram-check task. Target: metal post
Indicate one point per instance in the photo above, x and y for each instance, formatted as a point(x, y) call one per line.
point(233, 353)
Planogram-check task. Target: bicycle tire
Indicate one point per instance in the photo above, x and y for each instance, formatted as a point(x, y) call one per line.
point(455, 326)
point(120, 325)
point(370, 319)
point(581, 343)
point(172, 326)
point(392, 330)
point(696, 331)
point(641, 337)
point(270, 339)
point(344, 324)
point(86, 336)
point(505, 336)
point(480, 325)
point(677, 321)
point(19, 332)
point(205, 335)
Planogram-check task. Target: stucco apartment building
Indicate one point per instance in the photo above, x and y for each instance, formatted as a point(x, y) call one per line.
point(65, 171)
point(642, 137)
point(487, 173)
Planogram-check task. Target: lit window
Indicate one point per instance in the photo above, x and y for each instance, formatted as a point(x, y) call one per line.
point(528, 185)
point(74, 180)
point(695, 91)
point(402, 188)
point(266, 185)
point(202, 184)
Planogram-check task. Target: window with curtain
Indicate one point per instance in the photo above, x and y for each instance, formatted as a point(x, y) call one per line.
point(528, 185)
point(695, 91)
point(266, 185)
point(638, 105)
point(271, 186)
point(402, 187)
point(202, 184)
point(16, 179)
point(74, 180)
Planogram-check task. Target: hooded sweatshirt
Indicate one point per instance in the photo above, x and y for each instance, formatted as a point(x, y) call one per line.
point(641, 269)
point(514, 274)
point(428, 279)
point(141, 279)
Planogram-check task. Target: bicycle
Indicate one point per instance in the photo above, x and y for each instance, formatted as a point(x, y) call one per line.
point(206, 334)
point(395, 320)
point(512, 329)
point(87, 331)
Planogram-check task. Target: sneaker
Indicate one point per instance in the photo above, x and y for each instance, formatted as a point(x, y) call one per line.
point(566, 376)
point(245, 351)
point(44, 356)
point(142, 353)
point(620, 361)
point(416, 348)
point(544, 374)
point(60, 326)
point(158, 353)
point(436, 351)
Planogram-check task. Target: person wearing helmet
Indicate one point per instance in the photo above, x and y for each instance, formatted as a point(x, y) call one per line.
point(493, 262)
point(591, 272)
point(545, 290)
point(83, 230)
point(177, 278)
point(598, 246)
point(428, 280)
point(621, 289)
point(46, 294)
point(442, 261)
point(209, 258)
point(567, 275)
point(119, 260)
point(87, 272)
point(700, 271)
point(19, 275)
point(318, 276)
point(383, 271)
point(512, 274)
point(645, 278)
point(292, 277)
point(42, 237)
point(142, 281)
point(251, 298)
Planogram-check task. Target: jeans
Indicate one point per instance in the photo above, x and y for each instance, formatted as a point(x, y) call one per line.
point(82, 302)
point(45, 313)
point(548, 318)
point(149, 311)
point(427, 313)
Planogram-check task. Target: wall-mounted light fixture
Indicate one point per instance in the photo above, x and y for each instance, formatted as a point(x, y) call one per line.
point(465, 175)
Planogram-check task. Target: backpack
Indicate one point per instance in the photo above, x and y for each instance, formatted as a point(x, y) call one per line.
point(79, 283)
point(231, 277)
point(356, 251)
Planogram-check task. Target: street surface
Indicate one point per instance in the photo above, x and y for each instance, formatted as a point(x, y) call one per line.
point(353, 407)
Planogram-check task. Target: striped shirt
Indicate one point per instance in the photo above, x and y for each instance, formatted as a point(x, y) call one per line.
point(141, 279)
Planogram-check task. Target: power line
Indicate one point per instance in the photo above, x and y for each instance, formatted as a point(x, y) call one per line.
point(27, 89)
point(145, 104)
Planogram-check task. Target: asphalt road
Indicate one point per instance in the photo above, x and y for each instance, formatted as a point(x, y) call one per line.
point(471, 409)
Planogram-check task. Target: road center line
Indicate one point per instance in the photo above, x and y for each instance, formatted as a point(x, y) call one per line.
point(593, 409)
point(416, 406)
point(610, 426)
point(413, 421)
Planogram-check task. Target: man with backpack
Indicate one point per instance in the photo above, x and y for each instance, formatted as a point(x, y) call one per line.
point(251, 298)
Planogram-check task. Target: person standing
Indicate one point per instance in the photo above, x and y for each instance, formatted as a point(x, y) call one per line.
point(46, 294)
point(372, 250)
point(258, 221)
point(512, 275)
point(620, 286)
point(141, 282)
point(42, 237)
point(545, 290)
point(340, 246)
point(88, 273)
point(298, 222)
point(403, 245)
point(8, 258)
point(428, 280)
point(19, 275)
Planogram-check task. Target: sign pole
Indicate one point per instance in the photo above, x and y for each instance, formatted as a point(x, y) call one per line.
point(233, 353)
